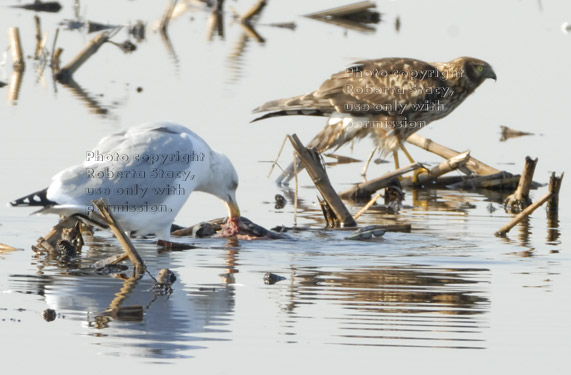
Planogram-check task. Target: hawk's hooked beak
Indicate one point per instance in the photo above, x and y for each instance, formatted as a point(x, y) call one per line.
point(492, 75)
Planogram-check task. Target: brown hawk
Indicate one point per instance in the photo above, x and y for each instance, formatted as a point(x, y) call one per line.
point(388, 99)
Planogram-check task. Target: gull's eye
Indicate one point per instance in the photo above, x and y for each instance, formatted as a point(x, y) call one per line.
point(480, 68)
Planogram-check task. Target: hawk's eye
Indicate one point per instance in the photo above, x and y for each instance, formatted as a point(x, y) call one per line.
point(480, 68)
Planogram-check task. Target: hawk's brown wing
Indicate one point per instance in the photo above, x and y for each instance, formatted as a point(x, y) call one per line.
point(390, 86)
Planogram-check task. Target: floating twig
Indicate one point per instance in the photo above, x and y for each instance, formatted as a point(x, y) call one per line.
point(353, 16)
point(345, 10)
point(38, 6)
point(508, 133)
point(93, 27)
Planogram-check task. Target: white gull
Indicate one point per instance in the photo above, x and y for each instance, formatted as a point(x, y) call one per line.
point(145, 174)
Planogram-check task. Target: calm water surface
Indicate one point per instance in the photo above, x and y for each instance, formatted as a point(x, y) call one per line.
point(449, 297)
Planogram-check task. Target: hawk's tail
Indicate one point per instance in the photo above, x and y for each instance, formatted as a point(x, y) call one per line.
point(36, 199)
point(304, 105)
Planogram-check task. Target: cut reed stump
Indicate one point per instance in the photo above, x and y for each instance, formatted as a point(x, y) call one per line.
point(365, 190)
point(16, 49)
point(551, 195)
point(38, 38)
point(66, 73)
point(472, 164)
point(134, 257)
point(315, 169)
point(554, 186)
point(520, 199)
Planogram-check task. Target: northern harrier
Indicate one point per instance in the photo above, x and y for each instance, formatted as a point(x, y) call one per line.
point(145, 174)
point(388, 99)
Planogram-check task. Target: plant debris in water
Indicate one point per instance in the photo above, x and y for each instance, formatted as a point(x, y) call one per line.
point(370, 232)
point(39, 6)
point(272, 278)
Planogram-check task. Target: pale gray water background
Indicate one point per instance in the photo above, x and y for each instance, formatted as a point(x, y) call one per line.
point(447, 298)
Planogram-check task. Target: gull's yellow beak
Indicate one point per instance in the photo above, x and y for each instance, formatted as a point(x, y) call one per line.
point(233, 210)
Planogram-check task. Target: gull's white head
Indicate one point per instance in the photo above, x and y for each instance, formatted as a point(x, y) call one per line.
point(223, 182)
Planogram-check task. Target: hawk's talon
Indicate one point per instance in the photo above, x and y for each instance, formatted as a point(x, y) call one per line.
point(418, 172)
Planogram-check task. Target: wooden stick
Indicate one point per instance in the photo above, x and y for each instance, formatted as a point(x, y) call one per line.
point(277, 157)
point(427, 144)
point(295, 201)
point(250, 32)
point(367, 206)
point(92, 46)
point(315, 169)
point(134, 257)
point(168, 15)
point(38, 38)
point(215, 23)
point(364, 190)
point(256, 9)
point(554, 186)
point(53, 58)
point(520, 198)
point(16, 49)
point(218, 6)
point(56, 59)
point(519, 217)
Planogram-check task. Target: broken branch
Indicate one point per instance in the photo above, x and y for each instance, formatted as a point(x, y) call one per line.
point(65, 74)
point(317, 172)
point(520, 198)
point(132, 253)
point(519, 217)
point(427, 144)
point(364, 190)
